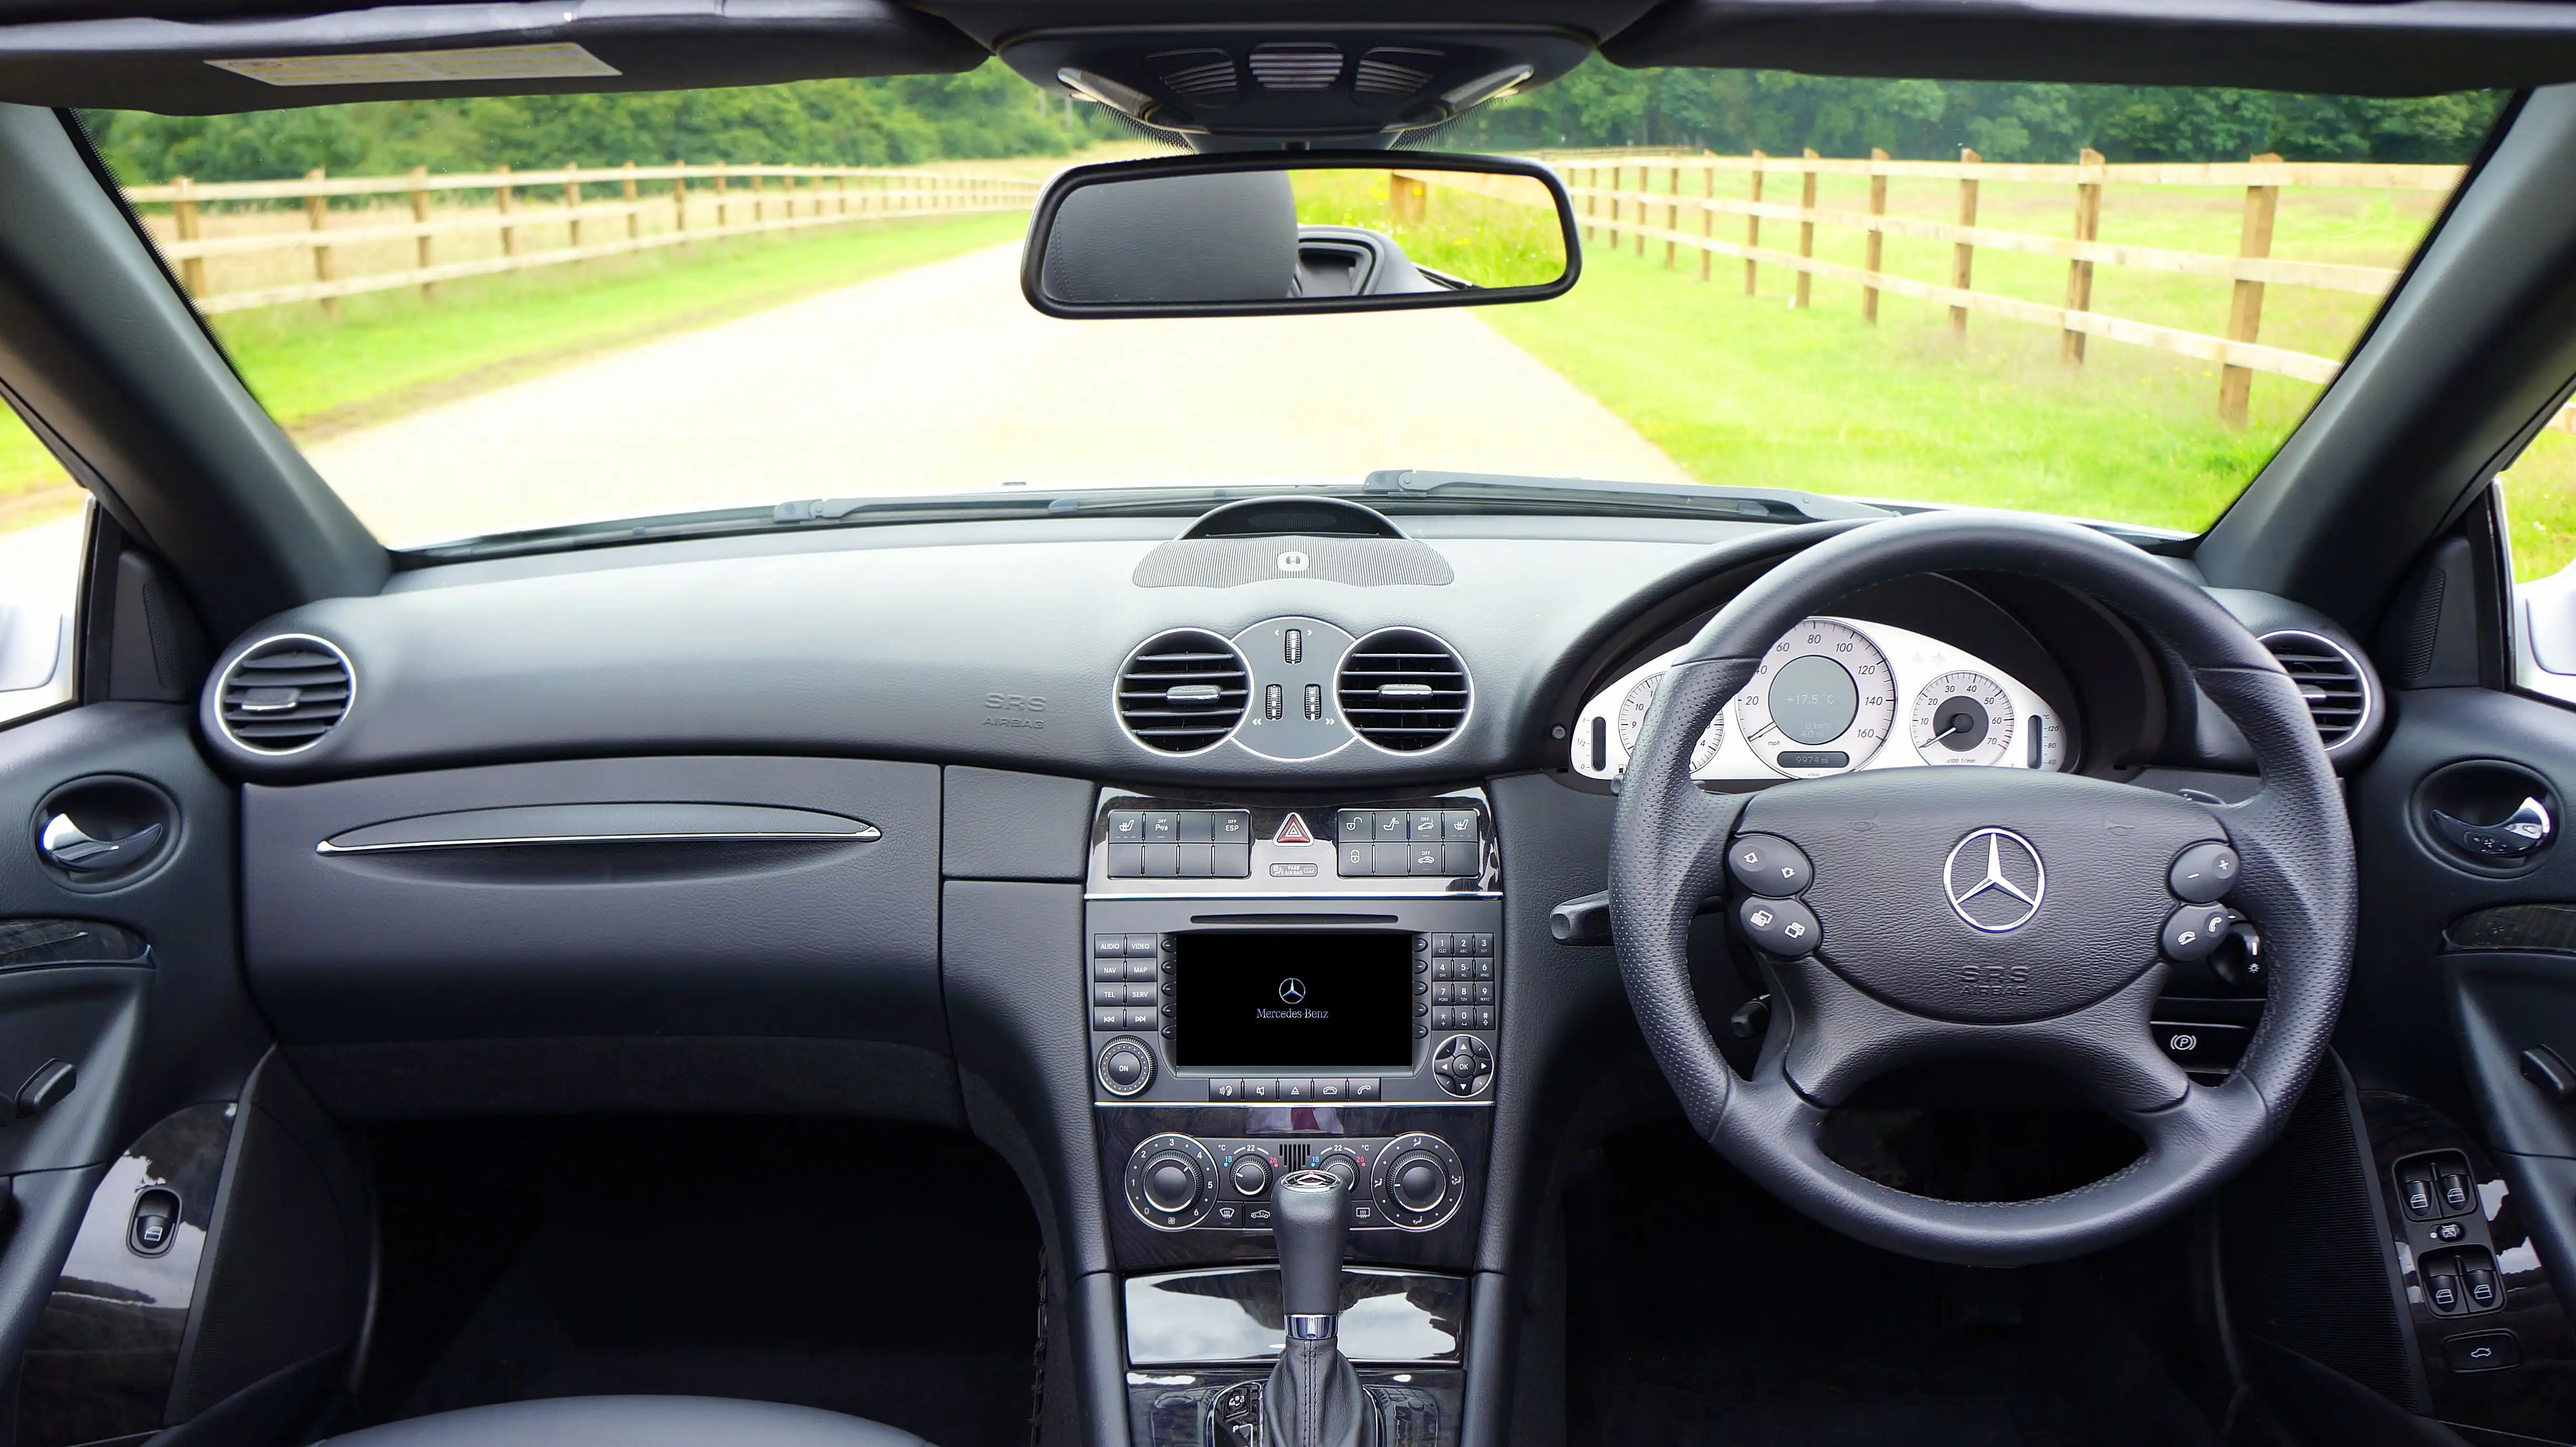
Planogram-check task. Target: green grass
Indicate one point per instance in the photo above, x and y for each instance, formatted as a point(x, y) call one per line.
point(1486, 240)
point(2540, 506)
point(1748, 391)
point(393, 352)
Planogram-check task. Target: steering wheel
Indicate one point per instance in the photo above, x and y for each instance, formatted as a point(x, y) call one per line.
point(1887, 940)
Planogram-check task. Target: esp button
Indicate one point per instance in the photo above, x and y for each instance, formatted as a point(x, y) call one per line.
point(1768, 865)
point(1781, 927)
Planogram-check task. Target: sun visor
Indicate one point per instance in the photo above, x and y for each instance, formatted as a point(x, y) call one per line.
point(407, 52)
point(2393, 48)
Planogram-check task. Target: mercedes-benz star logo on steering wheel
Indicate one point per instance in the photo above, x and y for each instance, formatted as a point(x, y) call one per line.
point(1292, 991)
point(1994, 880)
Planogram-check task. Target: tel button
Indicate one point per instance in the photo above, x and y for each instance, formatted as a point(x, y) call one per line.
point(1767, 864)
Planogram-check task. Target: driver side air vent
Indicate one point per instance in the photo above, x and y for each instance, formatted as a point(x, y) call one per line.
point(1403, 690)
point(1183, 692)
point(285, 693)
point(2329, 678)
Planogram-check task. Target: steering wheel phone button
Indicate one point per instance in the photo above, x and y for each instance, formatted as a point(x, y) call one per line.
point(2195, 930)
point(1767, 864)
point(2203, 872)
point(1782, 927)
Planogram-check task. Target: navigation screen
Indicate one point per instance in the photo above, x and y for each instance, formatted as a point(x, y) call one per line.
point(1310, 1001)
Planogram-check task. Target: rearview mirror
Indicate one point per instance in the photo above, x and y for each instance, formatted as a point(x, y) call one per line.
point(1249, 235)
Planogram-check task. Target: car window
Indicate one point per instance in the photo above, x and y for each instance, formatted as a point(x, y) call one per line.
point(510, 313)
point(44, 530)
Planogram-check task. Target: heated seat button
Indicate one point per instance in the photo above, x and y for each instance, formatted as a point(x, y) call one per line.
point(1782, 927)
point(1767, 864)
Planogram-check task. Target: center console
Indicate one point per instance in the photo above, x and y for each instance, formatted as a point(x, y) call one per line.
point(1272, 987)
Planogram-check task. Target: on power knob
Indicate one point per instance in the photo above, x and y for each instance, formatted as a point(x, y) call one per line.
point(1125, 1066)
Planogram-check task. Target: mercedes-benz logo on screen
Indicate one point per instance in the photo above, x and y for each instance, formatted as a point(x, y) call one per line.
point(1292, 991)
point(1994, 880)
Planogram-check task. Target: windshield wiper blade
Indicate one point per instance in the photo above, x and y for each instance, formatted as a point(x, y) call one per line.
point(1584, 494)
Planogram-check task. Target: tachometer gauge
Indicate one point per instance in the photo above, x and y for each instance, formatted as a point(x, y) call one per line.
point(1963, 717)
point(1632, 721)
point(1821, 703)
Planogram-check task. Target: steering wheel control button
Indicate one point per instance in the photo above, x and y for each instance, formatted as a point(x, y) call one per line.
point(2202, 873)
point(1418, 1181)
point(1782, 927)
point(1769, 865)
point(1126, 1067)
point(1462, 1064)
point(2194, 931)
point(1171, 1180)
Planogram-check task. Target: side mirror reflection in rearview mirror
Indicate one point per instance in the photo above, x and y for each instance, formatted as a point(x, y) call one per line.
point(1247, 234)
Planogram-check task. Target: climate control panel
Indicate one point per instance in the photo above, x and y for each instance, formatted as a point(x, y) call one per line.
point(1410, 1182)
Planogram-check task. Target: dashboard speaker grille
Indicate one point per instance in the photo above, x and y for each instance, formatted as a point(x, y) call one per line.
point(2328, 678)
point(1404, 690)
point(1183, 691)
point(285, 693)
point(1291, 65)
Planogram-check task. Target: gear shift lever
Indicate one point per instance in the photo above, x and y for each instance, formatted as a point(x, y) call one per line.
point(1313, 1398)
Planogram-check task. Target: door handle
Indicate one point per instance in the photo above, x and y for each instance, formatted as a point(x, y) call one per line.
point(67, 846)
point(2521, 834)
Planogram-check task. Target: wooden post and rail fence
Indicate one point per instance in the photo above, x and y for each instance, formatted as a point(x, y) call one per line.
point(1617, 196)
point(599, 211)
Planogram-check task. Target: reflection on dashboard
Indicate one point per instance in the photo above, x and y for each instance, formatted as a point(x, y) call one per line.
point(1825, 701)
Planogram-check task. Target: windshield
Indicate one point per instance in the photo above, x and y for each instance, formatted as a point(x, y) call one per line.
point(500, 314)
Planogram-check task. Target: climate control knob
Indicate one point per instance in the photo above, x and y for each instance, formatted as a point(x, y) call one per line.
point(1170, 1181)
point(1251, 1174)
point(1418, 1181)
point(1342, 1166)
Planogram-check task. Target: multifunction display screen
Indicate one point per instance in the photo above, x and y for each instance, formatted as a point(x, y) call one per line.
point(1311, 1001)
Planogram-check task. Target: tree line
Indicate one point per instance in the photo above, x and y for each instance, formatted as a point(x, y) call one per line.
point(990, 112)
point(1735, 111)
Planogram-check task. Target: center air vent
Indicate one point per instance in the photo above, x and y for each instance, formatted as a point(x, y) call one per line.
point(1183, 692)
point(1296, 66)
point(285, 693)
point(1402, 689)
point(2330, 679)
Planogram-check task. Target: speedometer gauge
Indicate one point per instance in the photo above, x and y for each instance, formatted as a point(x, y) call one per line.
point(1821, 703)
point(1963, 717)
point(1632, 720)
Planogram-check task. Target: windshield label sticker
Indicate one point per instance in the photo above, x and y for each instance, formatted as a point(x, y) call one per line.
point(399, 67)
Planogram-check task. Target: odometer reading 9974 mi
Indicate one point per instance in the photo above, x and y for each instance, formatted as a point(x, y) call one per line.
point(1821, 703)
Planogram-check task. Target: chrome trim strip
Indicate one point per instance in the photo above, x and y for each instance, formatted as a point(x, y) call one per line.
point(864, 834)
point(1286, 899)
point(225, 680)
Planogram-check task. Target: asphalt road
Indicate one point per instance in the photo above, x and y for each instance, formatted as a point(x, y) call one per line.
point(942, 378)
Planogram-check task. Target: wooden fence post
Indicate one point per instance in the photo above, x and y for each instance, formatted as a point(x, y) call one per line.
point(2245, 315)
point(317, 212)
point(192, 270)
point(2079, 274)
point(1963, 257)
point(759, 199)
point(1707, 218)
point(420, 217)
point(1645, 188)
point(1874, 245)
point(723, 172)
point(1753, 224)
point(634, 217)
point(1618, 174)
point(572, 200)
point(1806, 230)
point(509, 204)
point(1591, 200)
point(679, 195)
point(841, 190)
point(1672, 216)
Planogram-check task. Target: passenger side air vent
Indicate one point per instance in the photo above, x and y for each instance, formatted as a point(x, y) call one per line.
point(285, 693)
point(2329, 678)
point(1183, 692)
point(1403, 690)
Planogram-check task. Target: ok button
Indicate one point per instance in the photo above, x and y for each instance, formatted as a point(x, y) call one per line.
point(1768, 865)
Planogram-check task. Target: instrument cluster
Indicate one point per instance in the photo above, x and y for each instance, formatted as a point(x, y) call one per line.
point(1836, 695)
